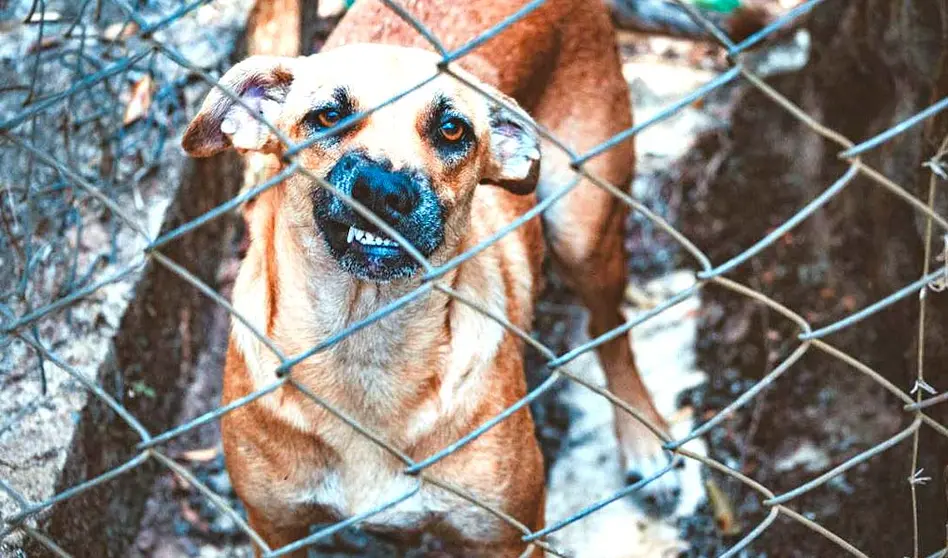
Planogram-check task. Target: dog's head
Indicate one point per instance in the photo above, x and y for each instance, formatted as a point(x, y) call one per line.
point(414, 163)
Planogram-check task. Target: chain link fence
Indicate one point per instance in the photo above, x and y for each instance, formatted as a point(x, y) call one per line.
point(49, 176)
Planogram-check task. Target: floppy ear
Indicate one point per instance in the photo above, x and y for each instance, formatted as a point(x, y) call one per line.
point(515, 150)
point(262, 83)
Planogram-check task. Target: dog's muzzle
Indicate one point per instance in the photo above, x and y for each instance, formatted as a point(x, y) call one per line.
point(403, 199)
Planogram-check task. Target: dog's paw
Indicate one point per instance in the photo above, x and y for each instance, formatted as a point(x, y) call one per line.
point(660, 496)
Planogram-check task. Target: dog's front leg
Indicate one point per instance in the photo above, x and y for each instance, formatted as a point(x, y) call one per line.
point(276, 536)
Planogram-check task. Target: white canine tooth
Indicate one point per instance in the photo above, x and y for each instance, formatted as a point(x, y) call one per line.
point(368, 239)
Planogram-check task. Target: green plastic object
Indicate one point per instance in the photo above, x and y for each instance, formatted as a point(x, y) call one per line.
point(722, 6)
point(349, 3)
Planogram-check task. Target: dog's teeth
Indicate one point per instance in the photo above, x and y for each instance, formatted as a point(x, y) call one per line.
point(368, 239)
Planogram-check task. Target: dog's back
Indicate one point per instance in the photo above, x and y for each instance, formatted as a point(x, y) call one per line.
point(518, 60)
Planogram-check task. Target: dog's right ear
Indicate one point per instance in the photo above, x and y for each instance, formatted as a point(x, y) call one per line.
point(262, 83)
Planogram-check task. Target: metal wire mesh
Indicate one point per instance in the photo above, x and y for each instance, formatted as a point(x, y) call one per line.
point(50, 278)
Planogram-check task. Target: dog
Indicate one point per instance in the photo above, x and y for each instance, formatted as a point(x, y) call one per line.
point(445, 167)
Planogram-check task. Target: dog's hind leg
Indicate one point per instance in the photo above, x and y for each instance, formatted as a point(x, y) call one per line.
point(585, 103)
point(586, 240)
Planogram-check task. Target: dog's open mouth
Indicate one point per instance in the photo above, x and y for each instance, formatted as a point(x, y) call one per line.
point(366, 251)
point(403, 199)
point(366, 239)
point(373, 243)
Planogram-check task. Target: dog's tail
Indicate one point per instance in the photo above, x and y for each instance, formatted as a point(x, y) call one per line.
point(669, 18)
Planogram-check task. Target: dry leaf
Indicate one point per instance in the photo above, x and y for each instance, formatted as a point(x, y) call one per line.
point(45, 44)
point(723, 511)
point(140, 102)
point(180, 483)
point(201, 455)
point(193, 517)
point(683, 414)
point(45, 16)
point(639, 298)
point(738, 326)
point(119, 31)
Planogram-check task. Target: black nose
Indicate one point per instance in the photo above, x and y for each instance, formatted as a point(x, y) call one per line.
point(389, 194)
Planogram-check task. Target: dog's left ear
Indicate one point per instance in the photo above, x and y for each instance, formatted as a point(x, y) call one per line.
point(515, 150)
point(262, 84)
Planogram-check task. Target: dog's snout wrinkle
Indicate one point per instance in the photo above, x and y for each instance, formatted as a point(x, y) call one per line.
point(388, 193)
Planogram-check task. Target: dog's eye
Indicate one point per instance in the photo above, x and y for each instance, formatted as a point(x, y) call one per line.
point(327, 118)
point(452, 130)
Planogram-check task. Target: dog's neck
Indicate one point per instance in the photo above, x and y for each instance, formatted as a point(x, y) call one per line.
point(291, 290)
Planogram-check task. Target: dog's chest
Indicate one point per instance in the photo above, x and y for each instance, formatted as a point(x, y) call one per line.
point(391, 502)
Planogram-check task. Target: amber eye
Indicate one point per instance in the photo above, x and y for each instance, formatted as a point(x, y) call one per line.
point(452, 130)
point(328, 118)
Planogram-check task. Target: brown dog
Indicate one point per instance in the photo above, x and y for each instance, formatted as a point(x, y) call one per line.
point(445, 167)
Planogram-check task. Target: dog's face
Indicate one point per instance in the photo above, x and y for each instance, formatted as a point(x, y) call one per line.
point(414, 163)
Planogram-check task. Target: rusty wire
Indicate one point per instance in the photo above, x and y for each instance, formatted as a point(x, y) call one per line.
point(19, 131)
